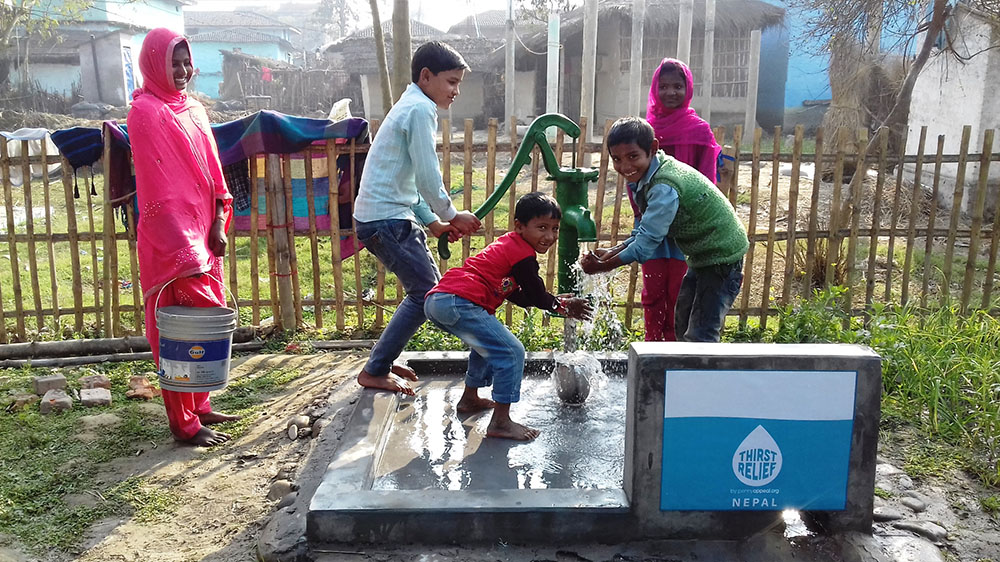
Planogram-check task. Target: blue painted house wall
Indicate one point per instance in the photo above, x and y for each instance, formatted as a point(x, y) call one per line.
point(208, 60)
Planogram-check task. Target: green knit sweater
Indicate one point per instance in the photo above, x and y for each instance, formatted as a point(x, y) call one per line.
point(706, 227)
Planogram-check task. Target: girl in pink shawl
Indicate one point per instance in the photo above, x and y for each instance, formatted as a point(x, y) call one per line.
point(689, 139)
point(184, 210)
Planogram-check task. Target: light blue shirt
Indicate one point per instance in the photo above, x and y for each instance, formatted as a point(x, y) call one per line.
point(649, 236)
point(402, 177)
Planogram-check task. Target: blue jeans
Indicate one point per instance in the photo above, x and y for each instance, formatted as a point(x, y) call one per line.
point(401, 246)
point(496, 356)
point(705, 297)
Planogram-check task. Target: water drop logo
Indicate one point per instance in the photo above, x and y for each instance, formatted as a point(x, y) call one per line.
point(757, 460)
point(196, 352)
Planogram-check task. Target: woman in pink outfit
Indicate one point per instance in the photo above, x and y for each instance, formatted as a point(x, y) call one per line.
point(184, 210)
point(689, 139)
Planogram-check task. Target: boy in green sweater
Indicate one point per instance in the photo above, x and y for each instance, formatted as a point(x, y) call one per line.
point(676, 201)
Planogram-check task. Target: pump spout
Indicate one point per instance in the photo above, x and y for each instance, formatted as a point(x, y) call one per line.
point(578, 217)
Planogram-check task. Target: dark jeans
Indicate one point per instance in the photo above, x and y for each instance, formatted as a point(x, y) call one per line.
point(401, 246)
point(706, 295)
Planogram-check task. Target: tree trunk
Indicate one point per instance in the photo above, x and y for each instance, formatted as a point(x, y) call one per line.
point(894, 120)
point(383, 66)
point(401, 51)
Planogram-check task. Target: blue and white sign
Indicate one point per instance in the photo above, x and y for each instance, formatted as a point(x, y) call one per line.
point(756, 440)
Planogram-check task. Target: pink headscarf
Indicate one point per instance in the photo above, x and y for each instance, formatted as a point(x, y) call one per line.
point(177, 170)
point(156, 66)
point(681, 132)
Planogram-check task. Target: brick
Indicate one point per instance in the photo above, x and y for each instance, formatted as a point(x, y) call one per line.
point(95, 381)
point(55, 400)
point(90, 397)
point(139, 388)
point(46, 383)
point(22, 401)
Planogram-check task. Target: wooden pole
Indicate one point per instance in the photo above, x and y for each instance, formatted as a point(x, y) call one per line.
point(254, 244)
point(282, 252)
point(750, 117)
point(708, 66)
point(15, 269)
point(748, 276)
point(331, 174)
point(335, 226)
point(491, 164)
point(977, 220)
point(956, 213)
point(467, 184)
point(931, 221)
point(772, 212)
point(74, 245)
point(811, 241)
point(293, 260)
point(684, 24)
point(635, 100)
point(791, 225)
point(48, 236)
point(29, 225)
point(876, 226)
point(915, 195)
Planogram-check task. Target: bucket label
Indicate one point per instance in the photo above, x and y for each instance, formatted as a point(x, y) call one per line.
point(178, 350)
point(756, 440)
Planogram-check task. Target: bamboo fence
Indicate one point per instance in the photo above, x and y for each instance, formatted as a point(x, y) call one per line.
point(72, 269)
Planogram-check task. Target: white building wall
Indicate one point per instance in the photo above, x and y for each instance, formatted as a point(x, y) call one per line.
point(950, 94)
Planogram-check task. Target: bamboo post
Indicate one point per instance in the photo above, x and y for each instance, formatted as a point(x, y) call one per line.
point(914, 209)
point(811, 241)
point(98, 317)
point(282, 245)
point(54, 285)
point(835, 241)
point(29, 225)
point(772, 212)
point(293, 260)
point(112, 313)
point(12, 239)
point(602, 181)
point(734, 183)
point(269, 197)
point(467, 185)
point(133, 262)
point(254, 244)
point(550, 259)
point(491, 164)
point(511, 201)
point(445, 178)
point(876, 226)
point(752, 227)
point(353, 151)
point(233, 271)
point(956, 213)
point(333, 187)
point(893, 219)
point(977, 220)
point(534, 168)
point(616, 217)
point(74, 246)
point(856, 189)
point(994, 238)
point(793, 217)
point(633, 276)
point(331, 174)
point(931, 221)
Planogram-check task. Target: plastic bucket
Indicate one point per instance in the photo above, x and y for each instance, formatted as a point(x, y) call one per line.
point(195, 346)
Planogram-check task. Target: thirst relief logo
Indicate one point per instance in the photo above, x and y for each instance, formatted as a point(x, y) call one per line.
point(757, 460)
point(756, 440)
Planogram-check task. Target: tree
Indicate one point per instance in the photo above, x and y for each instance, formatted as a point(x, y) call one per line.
point(383, 66)
point(539, 9)
point(336, 17)
point(401, 49)
point(32, 18)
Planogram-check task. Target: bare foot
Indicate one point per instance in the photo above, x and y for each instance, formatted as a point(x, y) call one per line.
point(403, 371)
point(212, 418)
point(511, 430)
point(206, 438)
point(390, 382)
point(473, 405)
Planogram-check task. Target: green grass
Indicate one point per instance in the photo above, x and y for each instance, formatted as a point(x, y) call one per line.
point(43, 462)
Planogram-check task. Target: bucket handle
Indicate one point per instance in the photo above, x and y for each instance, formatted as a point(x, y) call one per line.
point(236, 304)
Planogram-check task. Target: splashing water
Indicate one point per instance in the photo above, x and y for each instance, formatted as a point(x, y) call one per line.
point(605, 331)
point(575, 375)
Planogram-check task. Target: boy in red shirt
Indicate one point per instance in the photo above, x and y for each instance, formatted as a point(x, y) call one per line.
point(464, 302)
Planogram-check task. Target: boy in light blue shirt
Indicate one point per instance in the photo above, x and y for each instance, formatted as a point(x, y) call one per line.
point(401, 185)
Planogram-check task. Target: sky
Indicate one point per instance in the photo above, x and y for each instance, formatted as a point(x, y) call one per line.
point(436, 13)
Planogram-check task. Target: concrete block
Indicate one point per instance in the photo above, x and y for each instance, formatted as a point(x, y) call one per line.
point(90, 397)
point(55, 400)
point(46, 383)
point(95, 381)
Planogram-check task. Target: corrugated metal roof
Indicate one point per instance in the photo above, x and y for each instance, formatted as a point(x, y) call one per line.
point(238, 36)
point(239, 18)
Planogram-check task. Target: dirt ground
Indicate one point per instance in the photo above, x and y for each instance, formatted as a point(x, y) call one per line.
point(224, 507)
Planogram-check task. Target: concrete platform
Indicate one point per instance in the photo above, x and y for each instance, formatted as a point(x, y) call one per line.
point(411, 468)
